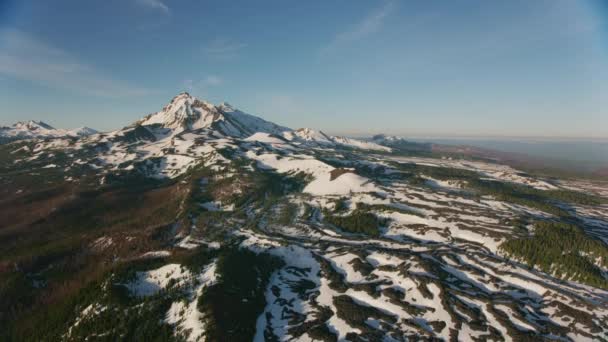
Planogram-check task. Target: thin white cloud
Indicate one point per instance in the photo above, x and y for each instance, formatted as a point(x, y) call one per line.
point(201, 86)
point(367, 26)
point(154, 4)
point(223, 49)
point(212, 80)
point(26, 58)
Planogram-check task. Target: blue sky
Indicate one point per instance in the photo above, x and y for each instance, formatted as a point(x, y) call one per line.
point(475, 68)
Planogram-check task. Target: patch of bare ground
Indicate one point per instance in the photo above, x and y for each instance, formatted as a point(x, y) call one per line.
point(335, 173)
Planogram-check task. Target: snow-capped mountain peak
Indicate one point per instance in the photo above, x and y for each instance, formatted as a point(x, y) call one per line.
point(226, 107)
point(183, 112)
point(38, 129)
point(82, 131)
point(309, 134)
point(187, 113)
point(32, 125)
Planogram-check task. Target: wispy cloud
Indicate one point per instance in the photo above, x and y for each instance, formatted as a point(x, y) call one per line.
point(367, 26)
point(201, 86)
point(155, 5)
point(223, 49)
point(26, 58)
point(212, 80)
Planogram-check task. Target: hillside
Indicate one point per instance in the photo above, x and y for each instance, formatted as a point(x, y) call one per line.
point(204, 223)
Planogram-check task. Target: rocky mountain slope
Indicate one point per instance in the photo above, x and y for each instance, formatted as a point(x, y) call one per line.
point(204, 223)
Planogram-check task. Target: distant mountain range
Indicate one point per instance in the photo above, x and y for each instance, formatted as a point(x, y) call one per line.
point(38, 129)
point(187, 113)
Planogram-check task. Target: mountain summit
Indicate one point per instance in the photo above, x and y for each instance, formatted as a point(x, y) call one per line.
point(187, 113)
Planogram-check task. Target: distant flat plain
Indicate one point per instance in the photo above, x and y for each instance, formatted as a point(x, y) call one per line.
point(579, 154)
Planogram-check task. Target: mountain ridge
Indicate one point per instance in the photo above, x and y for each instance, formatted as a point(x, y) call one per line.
point(33, 129)
point(186, 113)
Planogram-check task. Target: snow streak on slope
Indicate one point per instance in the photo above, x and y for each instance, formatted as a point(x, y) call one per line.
point(323, 182)
point(185, 315)
point(150, 282)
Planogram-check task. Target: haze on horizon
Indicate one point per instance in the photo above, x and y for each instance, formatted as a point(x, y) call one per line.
point(460, 68)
